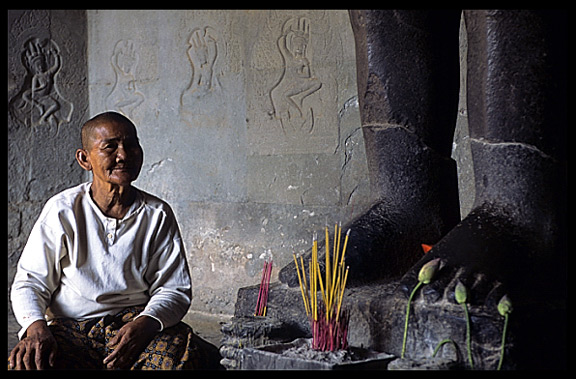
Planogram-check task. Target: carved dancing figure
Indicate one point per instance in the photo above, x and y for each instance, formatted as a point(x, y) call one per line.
point(202, 52)
point(297, 81)
point(39, 102)
point(124, 96)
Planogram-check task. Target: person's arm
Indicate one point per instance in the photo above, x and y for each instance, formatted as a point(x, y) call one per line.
point(170, 296)
point(170, 285)
point(37, 277)
point(170, 288)
point(38, 273)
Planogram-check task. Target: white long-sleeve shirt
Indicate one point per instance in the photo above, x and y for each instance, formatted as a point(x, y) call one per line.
point(79, 263)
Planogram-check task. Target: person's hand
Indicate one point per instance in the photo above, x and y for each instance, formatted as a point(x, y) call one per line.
point(130, 342)
point(36, 350)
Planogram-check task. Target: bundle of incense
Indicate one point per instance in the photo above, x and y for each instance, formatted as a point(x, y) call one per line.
point(262, 301)
point(330, 335)
point(329, 323)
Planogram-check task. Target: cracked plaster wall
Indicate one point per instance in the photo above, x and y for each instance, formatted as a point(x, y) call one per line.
point(248, 119)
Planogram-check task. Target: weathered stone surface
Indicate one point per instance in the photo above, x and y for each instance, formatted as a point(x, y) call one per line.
point(408, 71)
point(242, 189)
point(47, 103)
point(377, 317)
point(418, 203)
point(423, 364)
point(249, 124)
point(519, 95)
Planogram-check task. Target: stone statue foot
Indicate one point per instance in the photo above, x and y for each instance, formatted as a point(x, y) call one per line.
point(382, 245)
point(419, 204)
point(491, 256)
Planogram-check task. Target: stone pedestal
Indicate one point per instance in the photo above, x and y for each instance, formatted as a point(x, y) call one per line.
point(377, 323)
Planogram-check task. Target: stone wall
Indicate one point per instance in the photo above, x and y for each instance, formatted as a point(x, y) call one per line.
point(248, 119)
point(250, 129)
point(47, 103)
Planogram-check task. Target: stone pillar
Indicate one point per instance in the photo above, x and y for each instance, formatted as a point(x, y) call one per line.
point(407, 73)
point(517, 115)
point(513, 241)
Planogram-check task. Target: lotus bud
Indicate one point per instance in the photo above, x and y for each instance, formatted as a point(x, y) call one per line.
point(460, 293)
point(428, 271)
point(505, 306)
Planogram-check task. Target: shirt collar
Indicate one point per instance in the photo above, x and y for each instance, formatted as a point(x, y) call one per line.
point(136, 206)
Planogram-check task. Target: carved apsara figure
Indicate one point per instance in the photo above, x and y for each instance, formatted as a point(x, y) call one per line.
point(39, 101)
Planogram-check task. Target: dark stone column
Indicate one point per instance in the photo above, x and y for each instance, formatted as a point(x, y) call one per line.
point(517, 78)
point(407, 72)
point(407, 67)
point(514, 240)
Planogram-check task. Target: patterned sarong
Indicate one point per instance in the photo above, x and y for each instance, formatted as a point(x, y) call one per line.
point(82, 345)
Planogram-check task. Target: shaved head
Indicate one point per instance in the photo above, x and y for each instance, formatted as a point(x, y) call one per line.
point(110, 149)
point(106, 117)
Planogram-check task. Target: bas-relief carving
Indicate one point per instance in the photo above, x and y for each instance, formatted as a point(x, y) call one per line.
point(39, 102)
point(202, 102)
point(124, 97)
point(202, 52)
point(297, 81)
point(300, 95)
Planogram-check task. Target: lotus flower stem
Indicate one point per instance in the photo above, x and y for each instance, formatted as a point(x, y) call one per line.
point(441, 343)
point(504, 308)
point(461, 295)
point(408, 315)
point(425, 276)
point(468, 339)
point(503, 342)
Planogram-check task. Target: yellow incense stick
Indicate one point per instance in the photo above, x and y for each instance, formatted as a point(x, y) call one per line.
point(323, 294)
point(342, 296)
point(332, 285)
point(301, 286)
point(337, 252)
point(334, 252)
point(312, 289)
point(339, 281)
point(337, 234)
point(344, 248)
point(306, 290)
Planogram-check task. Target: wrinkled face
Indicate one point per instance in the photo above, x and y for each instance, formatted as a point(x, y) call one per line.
point(114, 153)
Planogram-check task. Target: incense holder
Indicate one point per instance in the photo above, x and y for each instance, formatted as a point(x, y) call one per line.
point(299, 355)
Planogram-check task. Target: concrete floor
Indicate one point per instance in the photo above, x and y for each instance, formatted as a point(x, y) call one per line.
point(207, 326)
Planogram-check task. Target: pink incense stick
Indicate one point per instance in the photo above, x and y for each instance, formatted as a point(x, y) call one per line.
point(262, 301)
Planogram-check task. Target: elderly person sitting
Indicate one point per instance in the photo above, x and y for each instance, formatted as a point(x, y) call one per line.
point(103, 280)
